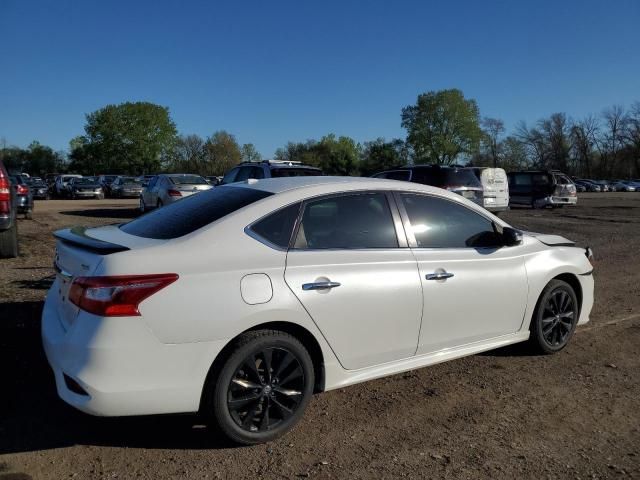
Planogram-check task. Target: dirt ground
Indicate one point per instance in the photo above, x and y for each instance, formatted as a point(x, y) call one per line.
point(503, 414)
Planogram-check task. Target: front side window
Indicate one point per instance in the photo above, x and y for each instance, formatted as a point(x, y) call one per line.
point(440, 223)
point(347, 222)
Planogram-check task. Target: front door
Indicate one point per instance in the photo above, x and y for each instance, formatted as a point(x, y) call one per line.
point(362, 290)
point(474, 288)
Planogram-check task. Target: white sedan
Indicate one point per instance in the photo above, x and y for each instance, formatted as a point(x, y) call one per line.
point(244, 300)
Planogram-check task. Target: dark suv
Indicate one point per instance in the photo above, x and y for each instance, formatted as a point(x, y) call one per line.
point(539, 189)
point(8, 222)
point(455, 179)
point(269, 169)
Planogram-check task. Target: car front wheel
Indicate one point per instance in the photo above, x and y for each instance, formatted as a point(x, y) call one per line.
point(555, 318)
point(262, 388)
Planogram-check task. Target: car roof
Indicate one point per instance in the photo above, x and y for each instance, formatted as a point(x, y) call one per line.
point(283, 184)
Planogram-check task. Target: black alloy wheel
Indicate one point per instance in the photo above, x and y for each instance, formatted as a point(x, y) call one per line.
point(555, 318)
point(263, 388)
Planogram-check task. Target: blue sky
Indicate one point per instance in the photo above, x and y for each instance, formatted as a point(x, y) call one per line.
point(270, 72)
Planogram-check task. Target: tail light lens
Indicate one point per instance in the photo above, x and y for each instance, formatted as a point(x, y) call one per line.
point(22, 190)
point(117, 296)
point(174, 193)
point(5, 188)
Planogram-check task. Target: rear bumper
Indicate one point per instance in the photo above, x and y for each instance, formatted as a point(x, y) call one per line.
point(551, 200)
point(86, 194)
point(122, 366)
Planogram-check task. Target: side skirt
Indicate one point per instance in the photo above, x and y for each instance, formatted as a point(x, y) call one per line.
point(338, 379)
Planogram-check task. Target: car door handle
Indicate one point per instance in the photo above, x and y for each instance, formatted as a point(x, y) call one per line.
point(438, 276)
point(320, 285)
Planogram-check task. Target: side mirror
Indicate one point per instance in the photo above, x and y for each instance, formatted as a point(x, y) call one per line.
point(511, 237)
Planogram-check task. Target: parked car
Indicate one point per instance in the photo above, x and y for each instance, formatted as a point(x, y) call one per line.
point(126, 187)
point(623, 186)
point(169, 188)
point(244, 300)
point(495, 188)
point(268, 169)
point(8, 221)
point(105, 182)
point(61, 185)
point(23, 195)
point(580, 187)
point(539, 189)
point(604, 185)
point(85, 187)
point(455, 179)
point(213, 180)
point(39, 189)
point(587, 185)
point(145, 179)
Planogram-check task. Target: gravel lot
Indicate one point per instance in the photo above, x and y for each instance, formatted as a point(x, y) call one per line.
point(503, 414)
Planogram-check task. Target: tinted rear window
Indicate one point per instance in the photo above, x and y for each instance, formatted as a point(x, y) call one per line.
point(192, 213)
point(295, 172)
point(188, 180)
point(445, 177)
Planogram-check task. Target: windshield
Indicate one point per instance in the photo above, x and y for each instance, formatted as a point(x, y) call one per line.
point(83, 181)
point(131, 180)
point(192, 213)
point(188, 180)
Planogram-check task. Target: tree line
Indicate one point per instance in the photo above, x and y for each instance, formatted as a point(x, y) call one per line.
point(443, 127)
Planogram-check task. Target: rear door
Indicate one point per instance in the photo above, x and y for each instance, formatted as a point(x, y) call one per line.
point(351, 270)
point(496, 188)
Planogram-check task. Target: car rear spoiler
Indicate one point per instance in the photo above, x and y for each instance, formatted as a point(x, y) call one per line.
point(77, 237)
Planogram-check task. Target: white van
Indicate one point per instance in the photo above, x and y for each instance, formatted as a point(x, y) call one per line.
point(496, 188)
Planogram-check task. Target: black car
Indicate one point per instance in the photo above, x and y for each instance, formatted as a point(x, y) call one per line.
point(24, 197)
point(85, 187)
point(541, 188)
point(269, 169)
point(8, 222)
point(455, 179)
point(39, 189)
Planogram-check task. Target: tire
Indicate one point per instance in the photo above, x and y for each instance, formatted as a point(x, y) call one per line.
point(9, 242)
point(267, 405)
point(551, 326)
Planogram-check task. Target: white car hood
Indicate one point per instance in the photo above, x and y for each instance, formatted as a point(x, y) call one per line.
point(551, 240)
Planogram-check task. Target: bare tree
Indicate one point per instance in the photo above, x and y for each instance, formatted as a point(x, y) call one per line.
point(583, 136)
point(493, 129)
point(611, 140)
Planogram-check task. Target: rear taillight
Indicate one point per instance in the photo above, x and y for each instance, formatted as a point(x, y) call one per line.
point(174, 193)
point(22, 190)
point(117, 296)
point(5, 189)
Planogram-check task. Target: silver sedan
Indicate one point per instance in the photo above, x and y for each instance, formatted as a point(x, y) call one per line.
point(169, 188)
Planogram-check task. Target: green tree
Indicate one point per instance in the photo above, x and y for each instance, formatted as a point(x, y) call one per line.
point(249, 153)
point(189, 155)
point(334, 155)
point(221, 153)
point(380, 155)
point(441, 126)
point(126, 138)
point(492, 129)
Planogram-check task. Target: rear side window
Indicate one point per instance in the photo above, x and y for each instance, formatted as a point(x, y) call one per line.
point(192, 213)
point(347, 222)
point(277, 227)
point(439, 223)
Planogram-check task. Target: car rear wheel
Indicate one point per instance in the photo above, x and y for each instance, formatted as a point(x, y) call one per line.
point(555, 318)
point(262, 388)
point(9, 242)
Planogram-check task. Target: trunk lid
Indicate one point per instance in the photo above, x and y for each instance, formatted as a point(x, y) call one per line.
point(79, 253)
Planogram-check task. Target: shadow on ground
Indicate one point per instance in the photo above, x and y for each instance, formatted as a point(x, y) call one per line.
point(34, 418)
point(104, 213)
